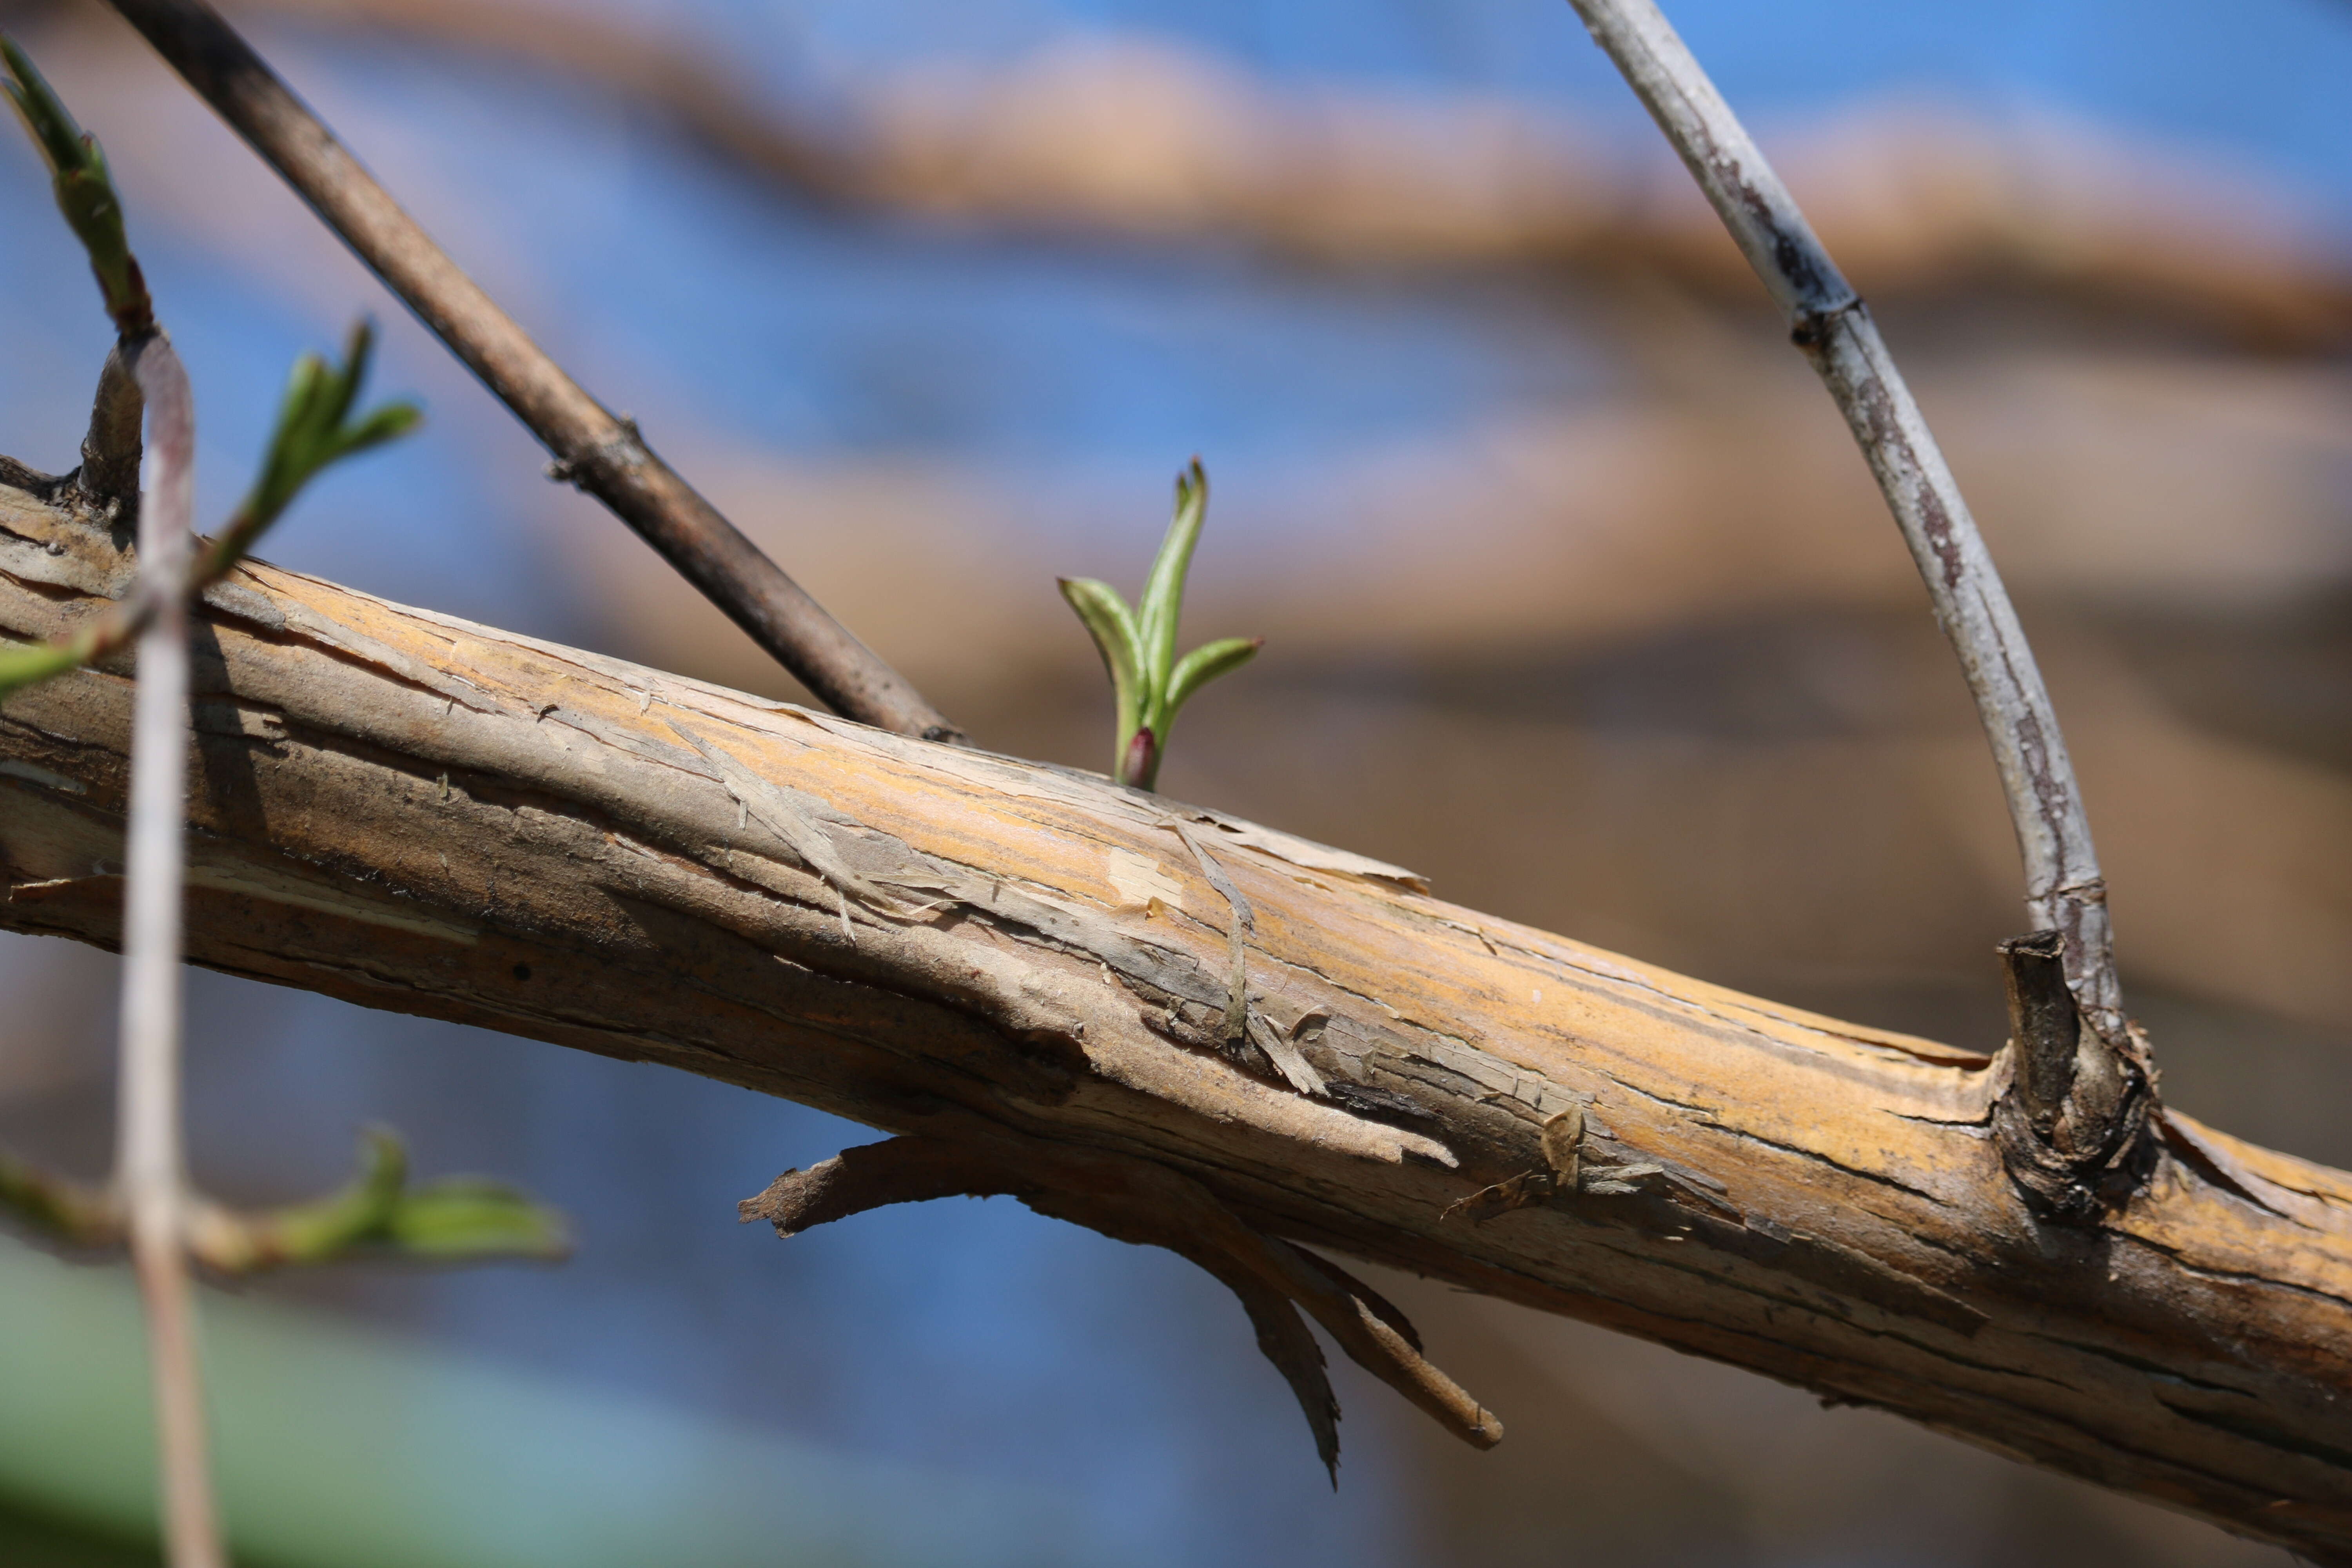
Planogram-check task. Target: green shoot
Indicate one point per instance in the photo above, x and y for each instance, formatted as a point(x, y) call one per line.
point(459, 1219)
point(84, 191)
point(456, 1220)
point(1149, 682)
point(314, 430)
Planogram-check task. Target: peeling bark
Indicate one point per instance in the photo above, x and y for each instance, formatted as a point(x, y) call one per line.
point(414, 813)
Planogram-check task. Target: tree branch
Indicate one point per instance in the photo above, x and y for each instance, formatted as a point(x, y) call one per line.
point(416, 813)
point(1828, 320)
point(602, 454)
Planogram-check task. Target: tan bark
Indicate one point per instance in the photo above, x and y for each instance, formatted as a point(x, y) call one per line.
point(414, 813)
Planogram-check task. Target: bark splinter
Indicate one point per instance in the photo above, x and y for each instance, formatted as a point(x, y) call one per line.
point(1147, 1204)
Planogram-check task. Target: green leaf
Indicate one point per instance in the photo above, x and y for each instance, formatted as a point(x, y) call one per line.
point(388, 422)
point(313, 1232)
point(359, 347)
point(29, 665)
point(84, 190)
point(455, 1220)
point(312, 433)
point(1163, 591)
point(45, 117)
point(1204, 664)
point(1109, 621)
point(462, 1218)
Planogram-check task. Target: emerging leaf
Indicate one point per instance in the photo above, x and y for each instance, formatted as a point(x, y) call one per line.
point(455, 1220)
point(463, 1218)
point(1139, 646)
point(30, 663)
point(1108, 620)
point(1204, 664)
point(312, 433)
point(1163, 591)
point(84, 190)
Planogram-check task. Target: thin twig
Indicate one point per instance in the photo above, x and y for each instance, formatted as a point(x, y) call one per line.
point(149, 1168)
point(377, 1215)
point(1827, 319)
point(601, 453)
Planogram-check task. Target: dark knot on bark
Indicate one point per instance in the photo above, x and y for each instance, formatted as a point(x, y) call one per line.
point(2073, 1123)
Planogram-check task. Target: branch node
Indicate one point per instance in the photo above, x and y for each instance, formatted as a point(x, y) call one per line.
point(106, 482)
point(2072, 1123)
point(1811, 329)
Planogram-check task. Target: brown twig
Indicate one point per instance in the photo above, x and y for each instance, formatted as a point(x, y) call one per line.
point(1150, 1204)
point(602, 454)
point(1828, 320)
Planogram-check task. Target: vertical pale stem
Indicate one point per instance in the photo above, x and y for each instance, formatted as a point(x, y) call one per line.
point(2063, 890)
point(150, 1167)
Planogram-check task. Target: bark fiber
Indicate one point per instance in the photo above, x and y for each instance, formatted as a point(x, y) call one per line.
point(414, 813)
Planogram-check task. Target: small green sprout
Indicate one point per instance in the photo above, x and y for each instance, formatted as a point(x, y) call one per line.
point(314, 431)
point(84, 191)
point(458, 1219)
point(1139, 646)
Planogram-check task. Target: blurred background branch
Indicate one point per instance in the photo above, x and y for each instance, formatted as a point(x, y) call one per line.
point(1143, 140)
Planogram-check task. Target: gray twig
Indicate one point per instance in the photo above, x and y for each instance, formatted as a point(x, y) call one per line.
point(150, 1169)
point(594, 449)
point(1829, 322)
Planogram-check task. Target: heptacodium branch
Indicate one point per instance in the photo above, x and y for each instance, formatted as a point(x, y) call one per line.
point(2065, 894)
point(1138, 645)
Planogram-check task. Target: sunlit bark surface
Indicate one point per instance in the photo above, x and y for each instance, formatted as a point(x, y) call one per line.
point(418, 814)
